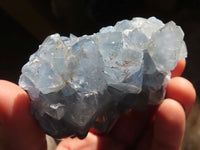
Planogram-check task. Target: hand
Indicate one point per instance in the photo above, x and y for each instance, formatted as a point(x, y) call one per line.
point(158, 128)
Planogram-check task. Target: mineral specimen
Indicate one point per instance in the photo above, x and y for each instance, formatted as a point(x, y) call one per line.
point(80, 82)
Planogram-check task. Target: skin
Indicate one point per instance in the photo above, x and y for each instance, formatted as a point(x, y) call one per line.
point(157, 128)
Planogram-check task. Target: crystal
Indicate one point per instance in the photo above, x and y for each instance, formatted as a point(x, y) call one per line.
point(76, 83)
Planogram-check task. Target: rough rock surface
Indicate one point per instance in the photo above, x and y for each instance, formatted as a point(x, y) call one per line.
point(80, 82)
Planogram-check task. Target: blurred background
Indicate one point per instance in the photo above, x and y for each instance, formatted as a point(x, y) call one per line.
point(25, 23)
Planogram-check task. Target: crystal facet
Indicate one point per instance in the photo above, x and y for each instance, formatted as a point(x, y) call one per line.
point(75, 82)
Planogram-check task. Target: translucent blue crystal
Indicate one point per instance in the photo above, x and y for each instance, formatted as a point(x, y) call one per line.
point(74, 82)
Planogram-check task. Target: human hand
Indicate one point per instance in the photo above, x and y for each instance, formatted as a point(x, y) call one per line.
point(158, 128)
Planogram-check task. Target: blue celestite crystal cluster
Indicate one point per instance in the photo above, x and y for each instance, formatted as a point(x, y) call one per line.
point(80, 82)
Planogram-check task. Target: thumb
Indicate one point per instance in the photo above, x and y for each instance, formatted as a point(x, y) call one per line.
point(18, 128)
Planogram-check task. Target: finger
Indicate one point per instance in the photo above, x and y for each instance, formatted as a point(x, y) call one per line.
point(132, 125)
point(182, 91)
point(91, 142)
point(19, 130)
point(169, 126)
point(179, 68)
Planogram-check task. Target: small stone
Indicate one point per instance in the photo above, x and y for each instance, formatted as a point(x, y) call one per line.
point(74, 82)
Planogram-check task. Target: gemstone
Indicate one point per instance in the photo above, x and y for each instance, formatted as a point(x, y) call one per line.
point(76, 83)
